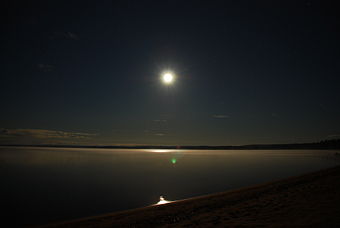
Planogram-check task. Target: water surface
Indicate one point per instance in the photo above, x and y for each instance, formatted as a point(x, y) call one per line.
point(42, 185)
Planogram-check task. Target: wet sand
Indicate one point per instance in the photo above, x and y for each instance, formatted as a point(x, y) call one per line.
point(311, 200)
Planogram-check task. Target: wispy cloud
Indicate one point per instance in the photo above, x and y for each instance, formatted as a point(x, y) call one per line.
point(274, 115)
point(45, 67)
point(66, 35)
point(71, 35)
point(44, 134)
point(159, 134)
point(219, 116)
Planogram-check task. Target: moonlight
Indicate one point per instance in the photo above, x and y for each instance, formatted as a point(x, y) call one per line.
point(168, 77)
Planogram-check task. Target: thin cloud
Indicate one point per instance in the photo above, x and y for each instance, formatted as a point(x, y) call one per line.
point(44, 134)
point(218, 116)
point(333, 136)
point(159, 134)
point(160, 121)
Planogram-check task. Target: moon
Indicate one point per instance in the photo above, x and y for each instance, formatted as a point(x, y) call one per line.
point(168, 77)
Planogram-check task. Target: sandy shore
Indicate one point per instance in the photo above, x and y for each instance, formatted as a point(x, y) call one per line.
point(311, 200)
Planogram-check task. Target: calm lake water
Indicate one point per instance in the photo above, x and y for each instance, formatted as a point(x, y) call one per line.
point(42, 185)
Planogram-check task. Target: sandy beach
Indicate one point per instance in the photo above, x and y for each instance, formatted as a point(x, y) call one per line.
point(310, 200)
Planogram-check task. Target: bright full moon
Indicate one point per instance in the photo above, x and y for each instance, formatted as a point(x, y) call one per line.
point(168, 77)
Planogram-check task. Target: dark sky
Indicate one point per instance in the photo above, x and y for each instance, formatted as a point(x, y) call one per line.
point(88, 72)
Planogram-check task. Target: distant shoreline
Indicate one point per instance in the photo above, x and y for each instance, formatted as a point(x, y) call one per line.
point(309, 200)
point(322, 145)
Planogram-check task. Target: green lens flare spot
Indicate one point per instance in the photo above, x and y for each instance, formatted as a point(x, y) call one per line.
point(173, 160)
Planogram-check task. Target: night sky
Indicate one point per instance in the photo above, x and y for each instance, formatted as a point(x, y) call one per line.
point(88, 72)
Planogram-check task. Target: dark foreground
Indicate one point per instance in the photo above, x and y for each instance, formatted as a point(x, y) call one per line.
point(311, 200)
